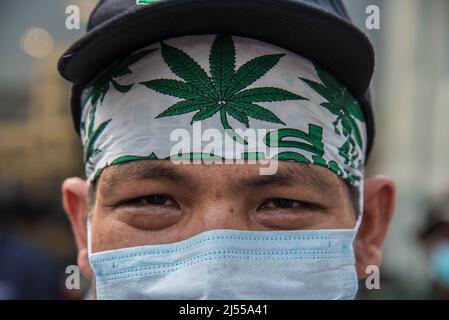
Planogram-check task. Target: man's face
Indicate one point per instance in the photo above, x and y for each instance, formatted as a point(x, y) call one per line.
point(158, 202)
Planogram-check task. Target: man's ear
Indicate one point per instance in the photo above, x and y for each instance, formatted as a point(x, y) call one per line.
point(75, 202)
point(379, 200)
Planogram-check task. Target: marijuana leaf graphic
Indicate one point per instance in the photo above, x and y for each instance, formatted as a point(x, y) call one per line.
point(89, 147)
point(345, 107)
point(223, 91)
point(98, 88)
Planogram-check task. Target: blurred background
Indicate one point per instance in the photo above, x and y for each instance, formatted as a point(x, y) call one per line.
point(39, 148)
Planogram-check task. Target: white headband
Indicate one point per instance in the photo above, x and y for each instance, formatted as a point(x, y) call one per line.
point(222, 82)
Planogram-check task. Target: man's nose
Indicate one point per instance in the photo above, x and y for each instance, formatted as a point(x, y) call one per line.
point(222, 215)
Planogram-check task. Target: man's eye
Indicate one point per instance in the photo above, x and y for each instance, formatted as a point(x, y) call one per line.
point(155, 200)
point(281, 203)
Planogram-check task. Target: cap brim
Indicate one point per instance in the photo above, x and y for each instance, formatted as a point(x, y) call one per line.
point(330, 41)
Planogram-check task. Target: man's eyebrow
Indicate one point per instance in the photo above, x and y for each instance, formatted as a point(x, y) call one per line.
point(141, 170)
point(294, 175)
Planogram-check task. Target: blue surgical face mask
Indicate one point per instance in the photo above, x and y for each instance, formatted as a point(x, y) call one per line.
point(233, 264)
point(440, 264)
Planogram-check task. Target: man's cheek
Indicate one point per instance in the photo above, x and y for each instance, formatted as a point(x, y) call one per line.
point(108, 233)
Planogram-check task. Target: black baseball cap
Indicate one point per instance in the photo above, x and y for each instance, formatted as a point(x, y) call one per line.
point(319, 30)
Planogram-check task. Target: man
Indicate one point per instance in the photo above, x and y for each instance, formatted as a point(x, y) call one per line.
point(221, 163)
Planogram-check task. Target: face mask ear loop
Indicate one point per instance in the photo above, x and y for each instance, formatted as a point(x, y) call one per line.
point(88, 231)
point(88, 239)
point(89, 244)
point(360, 213)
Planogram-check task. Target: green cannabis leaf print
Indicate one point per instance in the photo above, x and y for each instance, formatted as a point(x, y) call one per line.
point(346, 109)
point(89, 148)
point(98, 88)
point(222, 92)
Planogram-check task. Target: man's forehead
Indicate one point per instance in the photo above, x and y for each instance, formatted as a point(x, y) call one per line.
point(245, 175)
